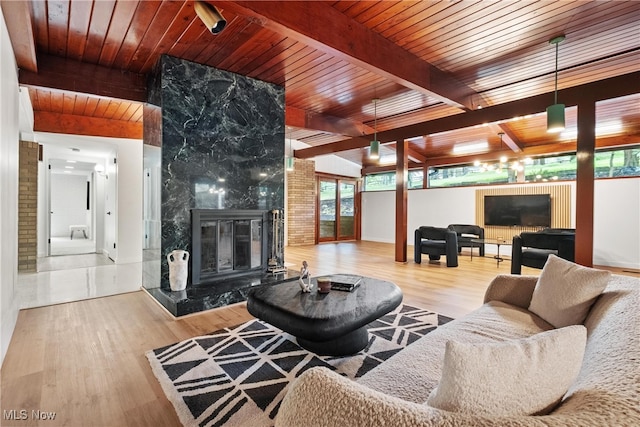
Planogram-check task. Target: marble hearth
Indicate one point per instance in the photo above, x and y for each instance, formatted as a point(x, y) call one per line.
point(214, 295)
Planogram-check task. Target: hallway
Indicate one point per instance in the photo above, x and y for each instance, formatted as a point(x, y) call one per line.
point(70, 278)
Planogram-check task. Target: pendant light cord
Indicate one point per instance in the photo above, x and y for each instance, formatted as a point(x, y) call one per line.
point(555, 100)
point(375, 119)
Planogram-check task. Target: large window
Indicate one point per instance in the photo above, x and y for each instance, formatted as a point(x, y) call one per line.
point(387, 180)
point(608, 164)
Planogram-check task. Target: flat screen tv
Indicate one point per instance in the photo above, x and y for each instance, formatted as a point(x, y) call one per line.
point(530, 210)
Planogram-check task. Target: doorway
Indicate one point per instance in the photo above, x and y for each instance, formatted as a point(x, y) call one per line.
point(71, 219)
point(338, 209)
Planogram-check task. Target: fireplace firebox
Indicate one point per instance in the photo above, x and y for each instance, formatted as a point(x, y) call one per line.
point(227, 243)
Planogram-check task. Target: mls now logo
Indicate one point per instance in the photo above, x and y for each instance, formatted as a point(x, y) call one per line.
point(23, 414)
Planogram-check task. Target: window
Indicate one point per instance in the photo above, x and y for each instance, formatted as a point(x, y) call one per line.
point(387, 181)
point(609, 163)
point(463, 175)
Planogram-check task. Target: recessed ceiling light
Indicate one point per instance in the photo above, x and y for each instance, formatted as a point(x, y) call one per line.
point(71, 161)
point(68, 167)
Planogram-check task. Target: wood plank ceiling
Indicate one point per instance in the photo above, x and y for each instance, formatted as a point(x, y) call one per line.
point(85, 63)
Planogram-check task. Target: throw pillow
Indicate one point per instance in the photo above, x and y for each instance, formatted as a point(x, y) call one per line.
point(565, 291)
point(527, 376)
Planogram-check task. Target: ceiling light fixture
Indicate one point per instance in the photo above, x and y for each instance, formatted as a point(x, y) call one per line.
point(374, 146)
point(555, 112)
point(211, 16)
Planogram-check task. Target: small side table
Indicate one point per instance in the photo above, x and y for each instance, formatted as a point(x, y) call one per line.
point(496, 242)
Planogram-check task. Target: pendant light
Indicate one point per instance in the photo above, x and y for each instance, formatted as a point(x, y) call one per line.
point(374, 146)
point(289, 158)
point(555, 112)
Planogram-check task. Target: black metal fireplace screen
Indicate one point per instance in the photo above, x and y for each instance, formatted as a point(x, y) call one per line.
point(227, 242)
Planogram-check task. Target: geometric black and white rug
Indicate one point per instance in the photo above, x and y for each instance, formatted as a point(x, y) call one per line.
point(238, 376)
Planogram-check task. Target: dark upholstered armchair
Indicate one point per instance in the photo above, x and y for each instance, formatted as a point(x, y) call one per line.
point(467, 232)
point(435, 241)
point(533, 249)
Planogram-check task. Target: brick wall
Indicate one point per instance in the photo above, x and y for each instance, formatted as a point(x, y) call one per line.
point(28, 207)
point(301, 203)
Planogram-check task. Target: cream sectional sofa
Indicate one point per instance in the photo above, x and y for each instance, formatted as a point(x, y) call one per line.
point(606, 391)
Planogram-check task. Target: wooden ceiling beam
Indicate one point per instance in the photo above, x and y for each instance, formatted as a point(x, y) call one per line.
point(17, 15)
point(509, 137)
point(319, 25)
point(73, 76)
point(412, 154)
point(614, 87)
point(45, 121)
point(299, 118)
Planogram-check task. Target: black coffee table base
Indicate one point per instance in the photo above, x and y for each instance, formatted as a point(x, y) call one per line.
point(350, 343)
point(332, 324)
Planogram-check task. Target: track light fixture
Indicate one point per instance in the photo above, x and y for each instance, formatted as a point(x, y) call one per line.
point(211, 16)
point(374, 146)
point(555, 112)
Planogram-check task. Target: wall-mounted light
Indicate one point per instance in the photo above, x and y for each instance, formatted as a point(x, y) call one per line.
point(374, 146)
point(211, 16)
point(289, 161)
point(555, 112)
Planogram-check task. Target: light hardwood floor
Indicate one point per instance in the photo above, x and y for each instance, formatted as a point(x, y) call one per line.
point(85, 360)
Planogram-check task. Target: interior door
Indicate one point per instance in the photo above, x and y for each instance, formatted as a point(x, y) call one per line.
point(111, 209)
point(337, 217)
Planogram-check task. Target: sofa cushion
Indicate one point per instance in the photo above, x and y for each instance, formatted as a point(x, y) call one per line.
point(415, 371)
point(527, 376)
point(565, 291)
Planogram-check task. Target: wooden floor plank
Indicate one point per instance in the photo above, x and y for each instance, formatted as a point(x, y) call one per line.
point(85, 360)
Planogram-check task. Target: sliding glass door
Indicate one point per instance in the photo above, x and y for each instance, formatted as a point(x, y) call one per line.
point(337, 209)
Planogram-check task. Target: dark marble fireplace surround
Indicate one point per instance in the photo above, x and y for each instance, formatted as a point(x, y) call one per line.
point(222, 142)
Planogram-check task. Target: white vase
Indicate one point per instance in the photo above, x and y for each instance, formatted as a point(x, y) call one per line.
point(178, 261)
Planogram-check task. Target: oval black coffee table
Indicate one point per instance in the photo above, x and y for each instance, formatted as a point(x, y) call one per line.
point(331, 324)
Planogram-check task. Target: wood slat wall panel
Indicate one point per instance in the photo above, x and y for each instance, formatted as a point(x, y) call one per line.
point(560, 208)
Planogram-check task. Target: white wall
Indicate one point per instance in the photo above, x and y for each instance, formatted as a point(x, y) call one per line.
point(330, 163)
point(616, 216)
point(9, 135)
point(334, 165)
point(130, 179)
point(616, 234)
point(68, 203)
